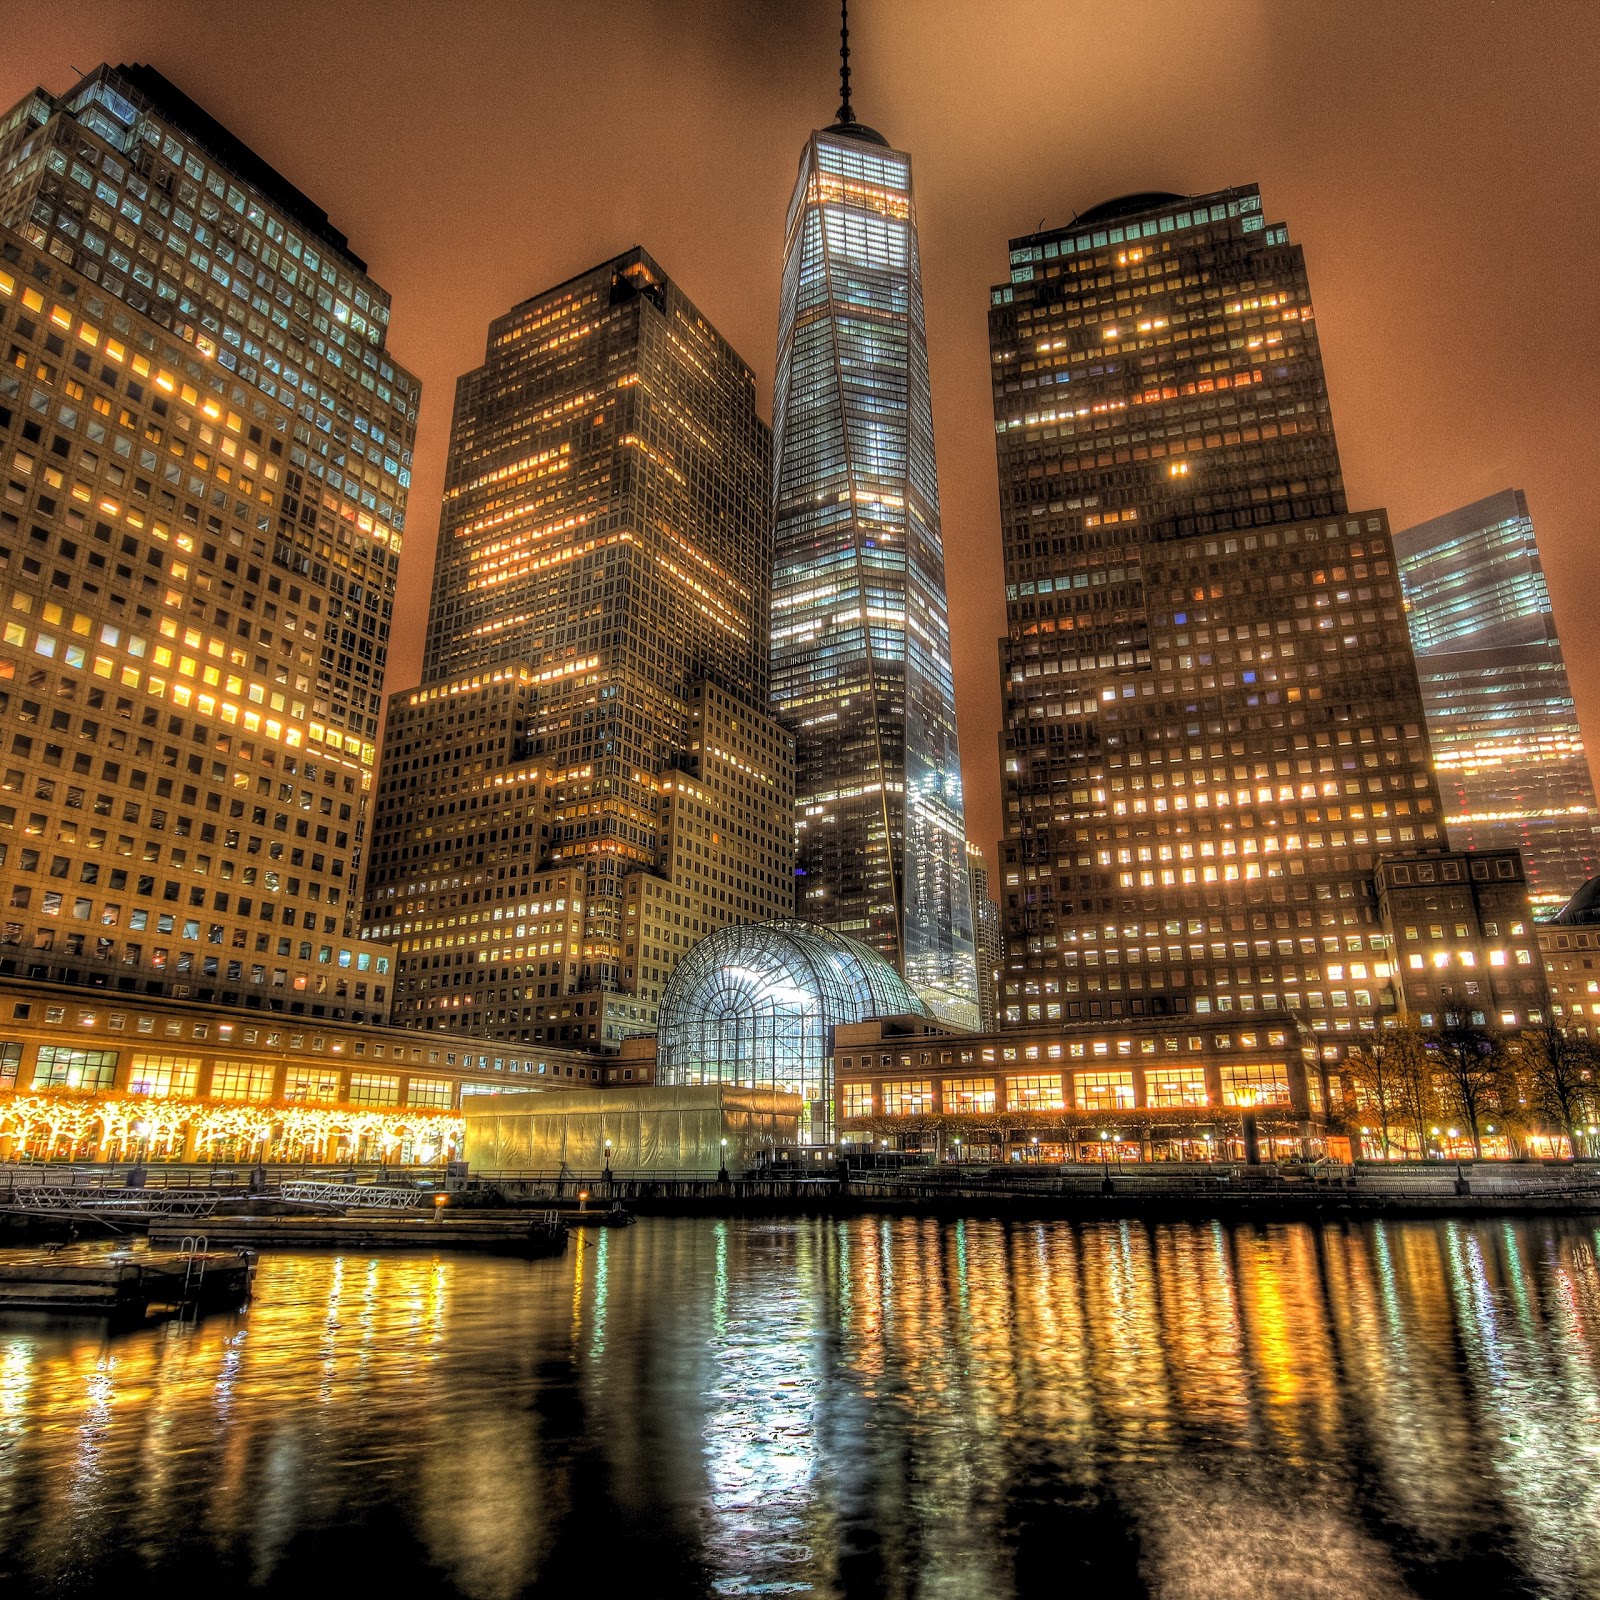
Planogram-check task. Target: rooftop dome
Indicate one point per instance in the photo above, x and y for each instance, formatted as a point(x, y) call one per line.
point(858, 130)
point(1128, 205)
point(756, 1005)
point(1583, 909)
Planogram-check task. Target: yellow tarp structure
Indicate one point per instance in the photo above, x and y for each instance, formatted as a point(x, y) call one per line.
point(664, 1130)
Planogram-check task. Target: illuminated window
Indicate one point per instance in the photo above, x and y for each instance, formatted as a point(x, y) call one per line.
point(164, 1077)
point(1103, 1091)
point(968, 1094)
point(1039, 1093)
point(241, 1080)
point(61, 1067)
point(858, 1100)
point(1175, 1087)
point(1255, 1084)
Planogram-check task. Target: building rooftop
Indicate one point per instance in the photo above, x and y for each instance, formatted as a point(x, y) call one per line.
point(1582, 910)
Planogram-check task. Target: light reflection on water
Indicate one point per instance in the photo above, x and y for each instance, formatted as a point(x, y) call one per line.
point(865, 1407)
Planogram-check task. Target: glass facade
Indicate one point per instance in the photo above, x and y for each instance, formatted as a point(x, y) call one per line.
point(756, 1006)
point(860, 627)
point(1212, 722)
point(1506, 744)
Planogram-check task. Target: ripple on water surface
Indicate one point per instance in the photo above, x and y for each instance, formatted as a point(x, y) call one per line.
point(822, 1408)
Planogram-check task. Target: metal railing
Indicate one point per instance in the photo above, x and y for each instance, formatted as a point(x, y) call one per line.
point(140, 1202)
point(353, 1196)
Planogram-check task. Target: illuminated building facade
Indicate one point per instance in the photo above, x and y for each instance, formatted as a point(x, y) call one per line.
point(1461, 938)
point(1212, 723)
point(1177, 1092)
point(587, 780)
point(987, 938)
point(1569, 947)
point(860, 625)
point(205, 453)
point(1507, 749)
point(114, 1077)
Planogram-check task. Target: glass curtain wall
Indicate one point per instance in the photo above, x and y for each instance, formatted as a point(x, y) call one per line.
point(861, 637)
point(756, 1006)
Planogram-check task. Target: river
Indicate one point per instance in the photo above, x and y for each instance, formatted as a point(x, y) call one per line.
point(864, 1407)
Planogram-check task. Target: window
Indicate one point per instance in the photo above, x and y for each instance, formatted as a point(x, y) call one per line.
point(165, 1077)
point(1103, 1091)
point(857, 1100)
point(969, 1094)
point(432, 1092)
point(241, 1080)
point(374, 1089)
point(904, 1098)
point(10, 1061)
point(63, 1067)
point(1175, 1088)
point(311, 1086)
point(1040, 1093)
point(1255, 1084)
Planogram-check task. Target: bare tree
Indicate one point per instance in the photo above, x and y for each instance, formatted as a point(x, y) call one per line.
point(1372, 1072)
point(1470, 1068)
point(1559, 1075)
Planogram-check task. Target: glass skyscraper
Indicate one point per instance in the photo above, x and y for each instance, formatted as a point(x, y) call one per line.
point(1506, 745)
point(860, 625)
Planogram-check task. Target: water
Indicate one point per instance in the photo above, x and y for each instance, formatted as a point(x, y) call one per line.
point(841, 1408)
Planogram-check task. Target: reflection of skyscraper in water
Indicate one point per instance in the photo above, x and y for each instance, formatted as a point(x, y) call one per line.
point(860, 630)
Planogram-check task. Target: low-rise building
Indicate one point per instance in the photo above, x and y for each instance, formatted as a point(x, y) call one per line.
point(1569, 949)
point(1461, 940)
point(113, 1077)
point(1183, 1092)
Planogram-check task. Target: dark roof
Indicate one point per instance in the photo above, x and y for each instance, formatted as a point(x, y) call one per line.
point(1128, 205)
point(1582, 910)
point(859, 130)
point(164, 96)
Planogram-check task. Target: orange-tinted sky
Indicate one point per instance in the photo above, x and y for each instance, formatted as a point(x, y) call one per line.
point(1437, 158)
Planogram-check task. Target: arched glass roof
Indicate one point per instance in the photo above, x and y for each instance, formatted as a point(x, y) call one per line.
point(756, 1005)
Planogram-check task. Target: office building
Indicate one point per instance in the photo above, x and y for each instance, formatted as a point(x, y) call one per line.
point(206, 450)
point(1507, 749)
point(860, 627)
point(1461, 941)
point(1212, 723)
point(1569, 949)
point(588, 781)
point(987, 939)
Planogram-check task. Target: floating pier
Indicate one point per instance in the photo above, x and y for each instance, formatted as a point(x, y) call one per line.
point(541, 1234)
point(127, 1285)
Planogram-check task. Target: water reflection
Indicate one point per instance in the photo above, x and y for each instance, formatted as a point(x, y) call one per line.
point(895, 1407)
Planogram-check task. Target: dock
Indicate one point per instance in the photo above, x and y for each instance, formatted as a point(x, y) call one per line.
point(517, 1234)
point(125, 1284)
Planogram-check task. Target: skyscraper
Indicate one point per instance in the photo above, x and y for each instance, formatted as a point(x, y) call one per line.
point(860, 625)
point(207, 453)
point(1212, 723)
point(1506, 744)
point(986, 937)
point(591, 735)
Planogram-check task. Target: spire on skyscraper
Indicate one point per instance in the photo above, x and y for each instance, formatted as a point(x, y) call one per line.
point(846, 116)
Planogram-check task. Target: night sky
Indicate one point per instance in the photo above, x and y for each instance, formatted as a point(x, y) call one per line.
point(1438, 159)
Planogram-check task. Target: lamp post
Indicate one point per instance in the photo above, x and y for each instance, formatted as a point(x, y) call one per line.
point(722, 1171)
point(608, 1166)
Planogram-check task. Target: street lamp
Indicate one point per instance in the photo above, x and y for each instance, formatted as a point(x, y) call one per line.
point(722, 1171)
point(608, 1161)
